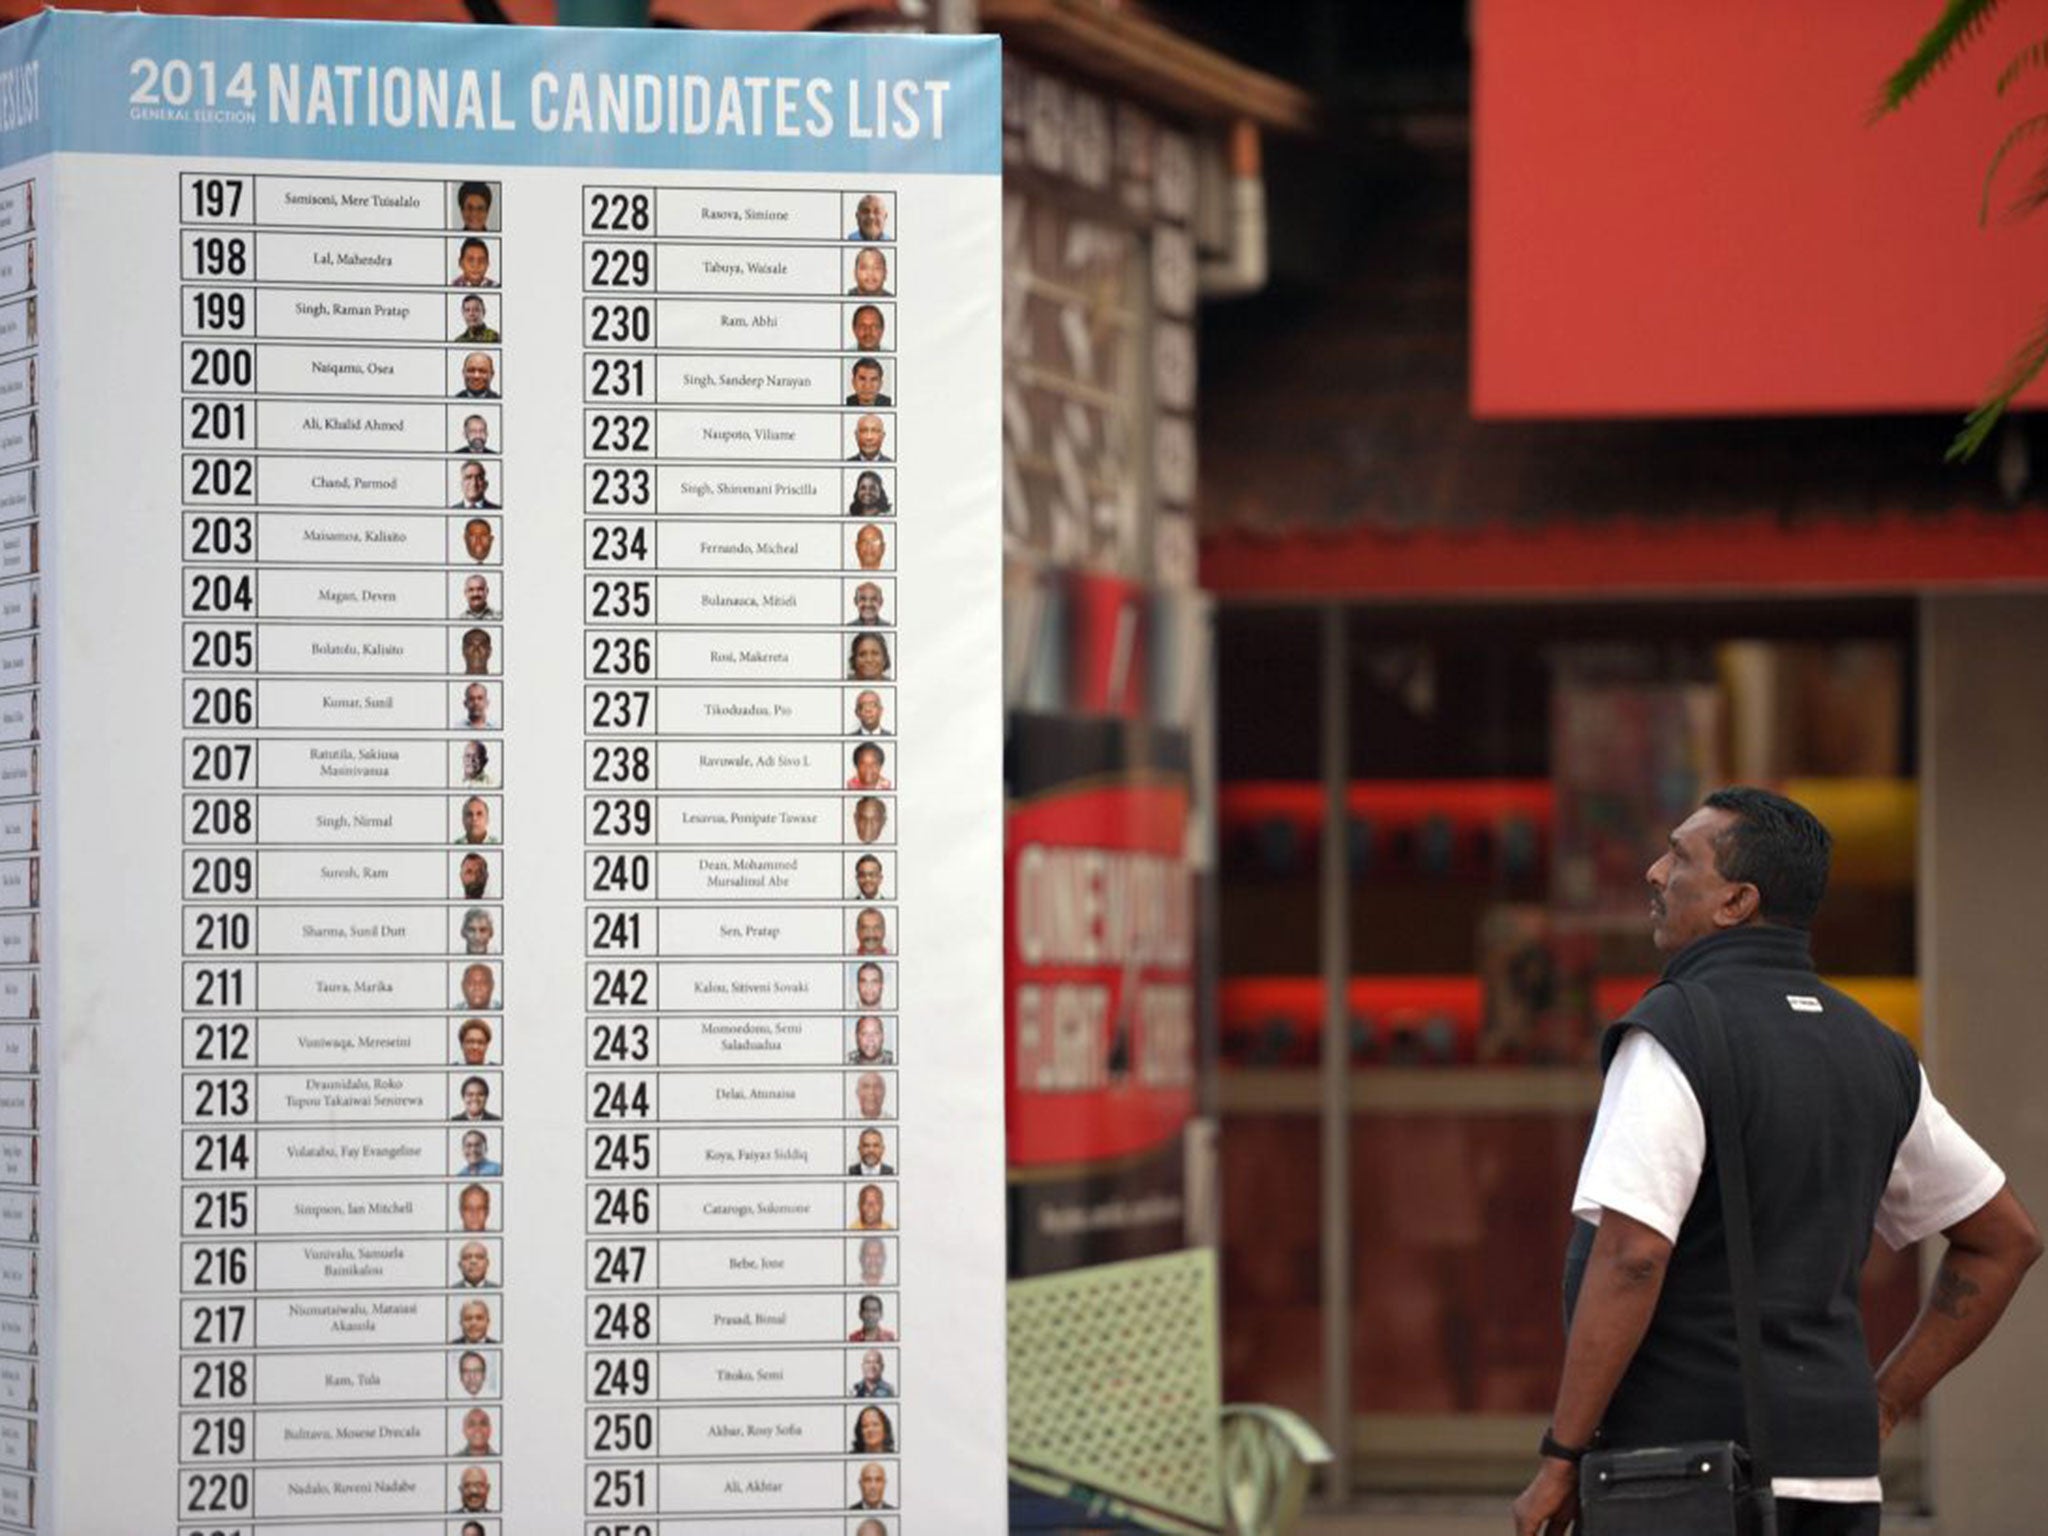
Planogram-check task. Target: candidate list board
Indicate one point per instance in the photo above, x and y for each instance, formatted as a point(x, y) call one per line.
point(523, 508)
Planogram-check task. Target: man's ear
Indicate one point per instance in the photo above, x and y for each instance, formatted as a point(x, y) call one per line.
point(1739, 905)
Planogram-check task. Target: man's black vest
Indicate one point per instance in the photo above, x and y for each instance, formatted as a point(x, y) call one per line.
point(1827, 1093)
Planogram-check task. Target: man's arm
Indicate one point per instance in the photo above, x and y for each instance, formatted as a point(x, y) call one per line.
point(1989, 1252)
point(1617, 1297)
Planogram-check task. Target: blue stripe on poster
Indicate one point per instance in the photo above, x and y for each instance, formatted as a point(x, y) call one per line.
point(418, 91)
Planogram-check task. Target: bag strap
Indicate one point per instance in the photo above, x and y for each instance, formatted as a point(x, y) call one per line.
point(1724, 1120)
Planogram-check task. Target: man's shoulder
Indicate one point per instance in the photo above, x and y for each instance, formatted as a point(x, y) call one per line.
point(1659, 1013)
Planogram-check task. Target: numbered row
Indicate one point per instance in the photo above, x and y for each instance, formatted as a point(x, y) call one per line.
point(287, 538)
point(397, 372)
point(472, 1098)
point(724, 435)
point(379, 258)
point(21, 1222)
point(334, 986)
point(385, 1433)
point(707, 434)
point(340, 1434)
point(21, 831)
point(696, 213)
point(20, 1381)
point(354, 765)
point(476, 205)
point(20, 324)
point(769, 269)
point(471, 1318)
point(21, 718)
point(313, 394)
point(471, 1266)
point(344, 594)
point(329, 313)
point(340, 313)
point(327, 1374)
point(465, 485)
point(361, 485)
point(323, 1230)
point(21, 1167)
point(347, 820)
point(366, 1488)
point(358, 821)
point(20, 1110)
point(345, 202)
point(411, 1151)
point(385, 933)
point(746, 1487)
point(21, 440)
point(388, 1488)
point(340, 649)
point(371, 1201)
point(351, 873)
point(346, 702)
point(477, 986)
point(398, 763)
point(470, 1376)
point(370, 259)
point(228, 1217)
point(21, 609)
point(393, 1043)
point(20, 1000)
point(476, 871)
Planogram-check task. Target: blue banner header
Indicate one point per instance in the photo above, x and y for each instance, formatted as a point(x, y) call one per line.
point(420, 91)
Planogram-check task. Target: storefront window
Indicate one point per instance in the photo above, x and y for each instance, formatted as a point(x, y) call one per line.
point(1513, 772)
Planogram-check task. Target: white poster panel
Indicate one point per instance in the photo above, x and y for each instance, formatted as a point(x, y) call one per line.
point(500, 801)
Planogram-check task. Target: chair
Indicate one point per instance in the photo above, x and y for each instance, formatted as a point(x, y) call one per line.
point(1116, 1408)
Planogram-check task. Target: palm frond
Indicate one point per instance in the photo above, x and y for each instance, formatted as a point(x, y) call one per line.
point(2021, 370)
point(2021, 131)
point(2033, 56)
point(1960, 21)
point(2034, 195)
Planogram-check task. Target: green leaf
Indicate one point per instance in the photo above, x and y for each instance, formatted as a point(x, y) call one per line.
point(2021, 370)
point(2033, 56)
point(1960, 21)
point(2034, 195)
point(2024, 129)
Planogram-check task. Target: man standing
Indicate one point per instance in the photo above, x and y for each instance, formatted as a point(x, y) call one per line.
point(1841, 1134)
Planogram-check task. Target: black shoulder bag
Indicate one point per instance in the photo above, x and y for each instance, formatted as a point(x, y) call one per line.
point(1705, 1487)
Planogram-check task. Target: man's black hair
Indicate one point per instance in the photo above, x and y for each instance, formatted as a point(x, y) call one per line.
point(1776, 845)
point(480, 188)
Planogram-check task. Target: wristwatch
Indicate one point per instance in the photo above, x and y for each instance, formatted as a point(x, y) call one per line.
point(1571, 1453)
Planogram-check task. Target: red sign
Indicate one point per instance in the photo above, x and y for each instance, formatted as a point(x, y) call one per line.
point(1101, 1004)
point(1683, 210)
